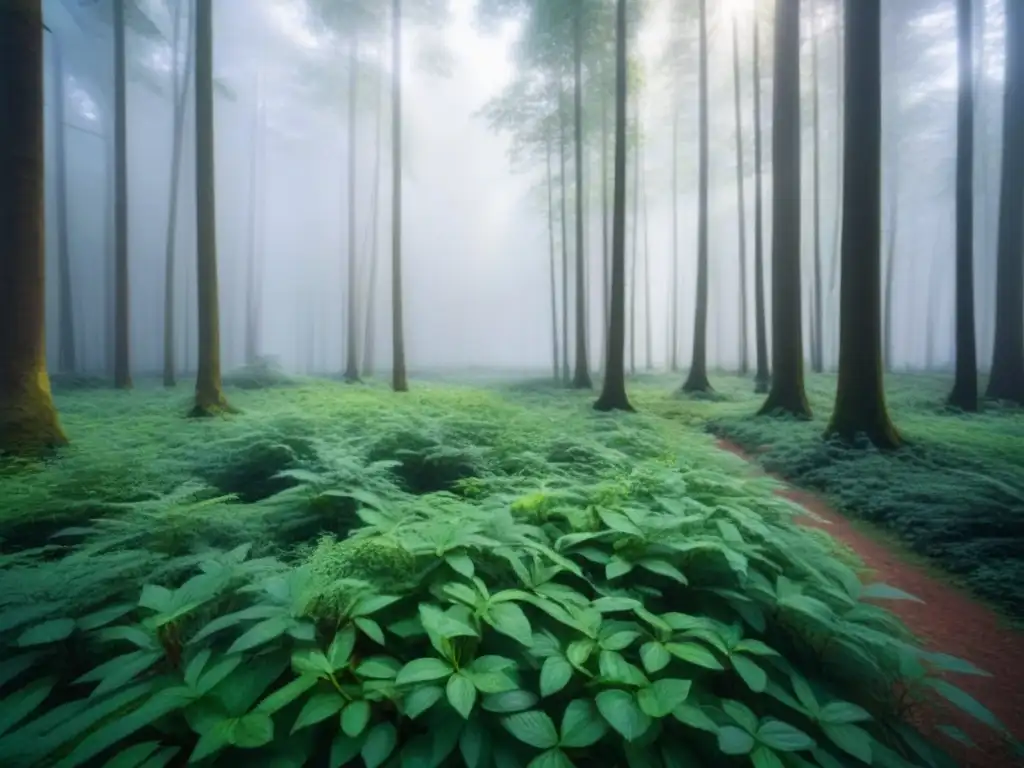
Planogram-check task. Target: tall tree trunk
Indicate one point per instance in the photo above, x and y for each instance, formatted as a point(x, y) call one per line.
point(787, 394)
point(818, 324)
point(762, 376)
point(399, 380)
point(888, 356)
point(1006, 381)
point(581, 374)
point(860, 395)
point(697, 379)
point(122, 337)
point(209, 397)
point(551, 240)
point(613, 390)
point(648, 325)
point(740, 195)
point(636, 234)
point(562, 141)
point(673, 331)
point(28, 419)
point(66, 346)
point(253, 288)
point(371, 291)
point(838, 228)
point(605, 255)
point(180, 80)
point(351, 329)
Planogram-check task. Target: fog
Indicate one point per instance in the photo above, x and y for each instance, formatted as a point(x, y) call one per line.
point(474, 226)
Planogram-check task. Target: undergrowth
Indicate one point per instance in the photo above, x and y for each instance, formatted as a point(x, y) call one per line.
point(456, 576)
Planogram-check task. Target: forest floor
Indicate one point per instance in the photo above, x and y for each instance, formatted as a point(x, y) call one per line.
point(942, 520)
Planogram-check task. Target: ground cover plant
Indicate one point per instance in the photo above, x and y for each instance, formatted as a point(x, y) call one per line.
point(457, 576)
point(954, 493)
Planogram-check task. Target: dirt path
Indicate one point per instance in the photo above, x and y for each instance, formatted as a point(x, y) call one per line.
point(948, 620)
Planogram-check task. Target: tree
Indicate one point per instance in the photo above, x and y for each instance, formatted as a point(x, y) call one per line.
point(374, 255)
point(761, 377)
point(28, 418)
point(209, 399)
point(351, 345)
point(66, 344)
point(965, 386)
point(740, 195)
point(818, 322)
point(551, 251)
point(562, 142)
point(787, 388)
point(613, 391)
point(860, 395)
point(122, 336)
point(697, 379)
point(1006, 380)
point(581, 373)
point(179, 95)
point(253, 281)
point(399, 379)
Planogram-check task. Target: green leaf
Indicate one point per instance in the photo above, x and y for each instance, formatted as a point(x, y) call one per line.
point(554, 675)
point(344, 749)
point(533, 727)
point(286, 694)
point(741, 713)
point(582, 725)
point(371, 604)
point(783, 737)
point(460, 563)
point(755, 648)
point(380, 743)
point(762, 757)
point(966, 702)
point(156, 598)
point(120, 670)
point(379, 668)
point(755, 677)
point(885, 592)
point(579, 651)
point(340, 649)
point(509, 619)
point(355, 717)
point(615, 669)
point(318, 707)
point(654, 656)
point(663, 568)
point(694, 717)
point(617, 568)
point(231, 619)
point(11, 668)
point(663, 696)
point(22, 703)
point(836, 712)
point(552, 758)
point(509, 701)
point(195, 667)
point(371, 629)
point(213, 675)
point(804, 693)
point(852, 739)
point(423, 670)
point(261, 633)
point(52, 631)
point(734, 741)
point(694, 654)
point(104, 616)
point(212, 741)
point(312, 662)
point(419, 700)
point(623, 714)
point(461, 694)
point(475, 744)
point(133, 756)
point(252, 730)
point(619, 522)
point(618, 641)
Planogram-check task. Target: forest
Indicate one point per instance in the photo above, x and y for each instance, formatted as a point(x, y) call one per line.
point(512, 383)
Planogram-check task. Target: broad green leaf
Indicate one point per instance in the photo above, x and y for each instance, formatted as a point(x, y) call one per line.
point(741, 713)
point(509, 619)
point(420, 699)
point(379, 668)
point(461, 694)
point(616, 568)
point(231, 619)
point(618, 641)
point(355, 717)
point(762, 757)
point(213, 740)
point(371, 604)
point(663, 696)
point(475, 744)
point(582, 725)
point(423, 670)
point(554, 675)
point(579, 651)
point(134, 756)
point(318, 707)
point(881, 591)
point(949, 663)
point(850, 738)
point(14, 666)
point(344, 749)
point(623, 714)
point(340, 649)
point(509, 701)
point(21, 703)
point(533, 727)
point(380, 743)
point(755, 677)
point(619, 522)
point(663, 568)
point(252, 730)
point(104, 616)
point(156, 598)
point(120, 670)
point(52, 631)
point(836, 712)
point(754, 647)
point(460, 563)
point(615, 669)
point(195, 667)
point(734, 741)
point(261, 633)
point(552, 758)
point(783, 737)
point(694, 717)
point(216, 673)
point(491, 682)
point(371, 629)
point(615, 604)
point(966, 702)
point(694, 654)
point(312, 662)
point(286, 694)
point(804, 693)
point(654, 656)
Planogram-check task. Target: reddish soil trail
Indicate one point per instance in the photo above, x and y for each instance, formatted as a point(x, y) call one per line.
point(948, 620)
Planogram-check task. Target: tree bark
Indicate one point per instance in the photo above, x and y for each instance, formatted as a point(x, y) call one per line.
point(253, 286)
point(673, 331)
point(562, 141)
point(371, 291)
point(818, 325)
point(1006, 380)
point(399, 379)
point(551, 240)
point(605, 255)
point(351, 329)
point(888, 356)
point(581, 373)
point(740, 195)
point(838, 228)
point(613, 391)
point(787, 394)
point(122, 337)
point(697, 379)
point(28, 419)
point(67, 358)
point(636, 235)
point(860, 396)
point(648, 324)
point(762, 376)
point(209, 398)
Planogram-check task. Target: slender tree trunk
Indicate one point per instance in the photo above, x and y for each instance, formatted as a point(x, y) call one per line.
point(818, 326)
point(673, 337)
point(605, 255)
point(860, 395)
point(371, 291)
point(636, 234)
point(762, 376)
point(838, 228)
point(697, 379)
point(551, 239)
point(122, 338)
point(581, 374)
point(890, 261)
point(563, 140)
point(180, 95)
point(787, 394)
point(66, 347)
point(351, 329)
point(613, 390)
point(253, 286)
point(209, 397)
point(399, 380)
point(28, 419)
point(648, 325)
point(740, 196)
